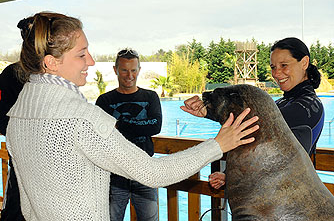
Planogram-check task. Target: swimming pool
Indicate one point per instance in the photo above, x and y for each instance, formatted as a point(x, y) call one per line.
point(179, 123)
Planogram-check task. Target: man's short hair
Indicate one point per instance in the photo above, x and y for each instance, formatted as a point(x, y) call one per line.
point(128, 54)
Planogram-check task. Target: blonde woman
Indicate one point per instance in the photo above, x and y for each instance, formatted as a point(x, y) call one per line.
point(64, 148)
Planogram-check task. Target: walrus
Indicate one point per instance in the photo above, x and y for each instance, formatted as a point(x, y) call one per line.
point(272, 178)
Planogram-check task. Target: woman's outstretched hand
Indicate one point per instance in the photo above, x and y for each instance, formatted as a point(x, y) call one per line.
point(217, 179)
point(231, 133)
point(194, 106)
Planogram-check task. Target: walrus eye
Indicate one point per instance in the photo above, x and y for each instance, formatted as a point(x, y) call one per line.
point(236, 98)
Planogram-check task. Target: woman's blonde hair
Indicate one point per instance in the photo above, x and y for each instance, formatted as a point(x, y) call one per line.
point(46, 33)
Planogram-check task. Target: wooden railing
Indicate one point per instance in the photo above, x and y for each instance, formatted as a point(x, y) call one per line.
point(4, 158)
point(194, 186)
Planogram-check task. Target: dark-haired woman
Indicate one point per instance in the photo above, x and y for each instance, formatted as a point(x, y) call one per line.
point(300, 106)
point(297, 77)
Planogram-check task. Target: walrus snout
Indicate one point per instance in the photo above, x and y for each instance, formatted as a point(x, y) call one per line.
point(206, 96)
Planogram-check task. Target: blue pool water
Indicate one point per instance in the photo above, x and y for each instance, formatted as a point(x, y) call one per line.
point(190, 126)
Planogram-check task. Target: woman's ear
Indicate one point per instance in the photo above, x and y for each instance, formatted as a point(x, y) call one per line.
point(305, 62)
point(50, 64)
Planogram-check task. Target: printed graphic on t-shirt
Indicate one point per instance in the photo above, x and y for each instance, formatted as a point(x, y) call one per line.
point(132, 112)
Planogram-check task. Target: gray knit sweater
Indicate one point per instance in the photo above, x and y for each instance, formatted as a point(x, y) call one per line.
point(64, 149)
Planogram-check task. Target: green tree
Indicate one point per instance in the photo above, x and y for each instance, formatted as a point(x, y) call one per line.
point(189, 78)
point(217, 53)
point(329, 67)
point(100, 83)
point(159, 56)
point(181, 49)
point(323, 58)
point(196, 51)
point(229, 60)
point(263, 58)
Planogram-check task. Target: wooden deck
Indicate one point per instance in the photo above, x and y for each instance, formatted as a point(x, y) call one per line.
point(194, 186)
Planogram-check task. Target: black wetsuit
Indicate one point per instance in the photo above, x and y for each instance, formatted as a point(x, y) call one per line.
point(304, 113)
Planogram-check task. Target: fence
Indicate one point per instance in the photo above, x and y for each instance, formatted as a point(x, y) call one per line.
point(194, 186)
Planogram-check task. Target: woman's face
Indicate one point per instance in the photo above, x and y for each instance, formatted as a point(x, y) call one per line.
point(73, 65)
point(286, 70)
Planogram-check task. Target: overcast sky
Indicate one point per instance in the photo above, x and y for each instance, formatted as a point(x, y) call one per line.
point(150, 25)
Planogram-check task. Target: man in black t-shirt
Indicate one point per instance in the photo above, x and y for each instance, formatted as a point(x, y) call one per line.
point(138, 114)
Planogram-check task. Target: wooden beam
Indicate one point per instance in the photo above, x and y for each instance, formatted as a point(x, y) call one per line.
point(194, 202)
point(324, 159)
point(133, 215)
point(172, 205)
point(330, 187)
point(216, 202)
point(197, 186)
point(168, 145)
point(5, 158)
point(3, 151)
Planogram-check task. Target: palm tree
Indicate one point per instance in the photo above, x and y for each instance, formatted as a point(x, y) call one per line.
point(164, 82)
point(100, 83)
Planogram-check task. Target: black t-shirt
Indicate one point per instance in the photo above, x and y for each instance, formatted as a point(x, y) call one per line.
point(138, 115)
point(10, 87)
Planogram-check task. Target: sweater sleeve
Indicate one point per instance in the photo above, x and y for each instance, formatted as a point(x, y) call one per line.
point(119, 156)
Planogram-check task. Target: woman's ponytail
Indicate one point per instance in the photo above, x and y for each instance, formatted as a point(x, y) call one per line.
point(42, 31)
point(313, 75)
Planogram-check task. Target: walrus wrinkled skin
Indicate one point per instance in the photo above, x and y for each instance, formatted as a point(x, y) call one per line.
point(272, 178)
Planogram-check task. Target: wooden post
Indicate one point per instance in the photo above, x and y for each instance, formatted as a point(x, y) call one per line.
point(216, 202)
point(5, 158)
point(194, 202)
point(133, 215)
point(172, 205)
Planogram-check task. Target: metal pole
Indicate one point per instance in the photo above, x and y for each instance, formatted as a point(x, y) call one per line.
point(177, 127)
point(302, 20)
